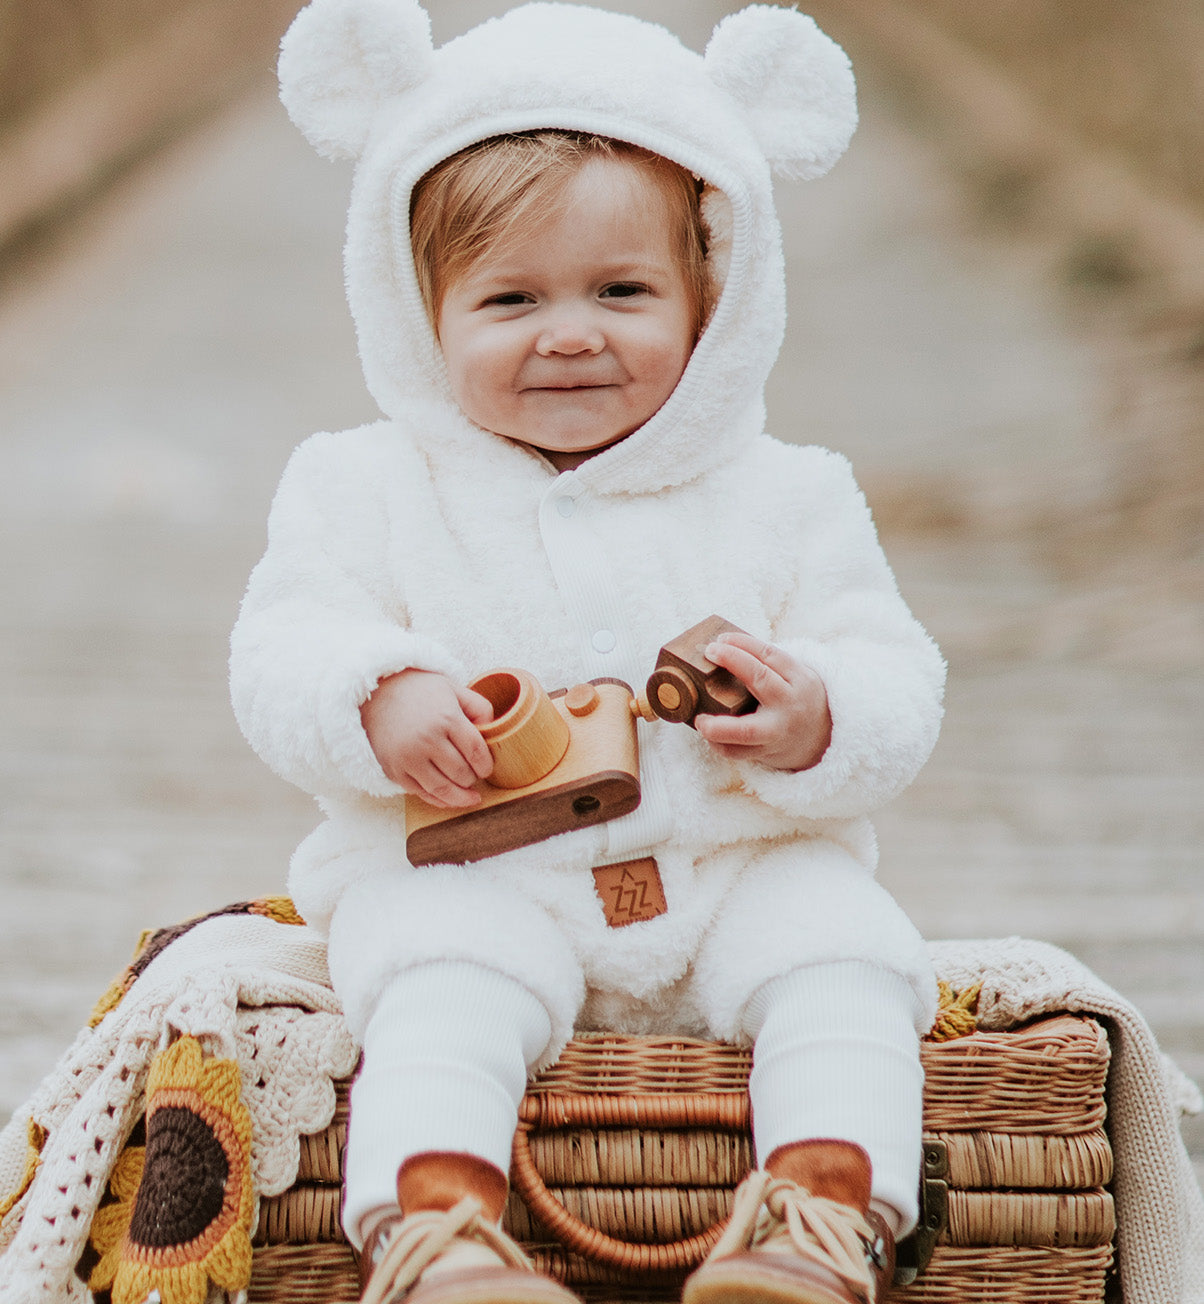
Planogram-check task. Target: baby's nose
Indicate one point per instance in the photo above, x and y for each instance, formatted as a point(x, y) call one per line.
point(570, 333)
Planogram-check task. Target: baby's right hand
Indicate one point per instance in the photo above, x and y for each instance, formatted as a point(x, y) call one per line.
point(423, 729)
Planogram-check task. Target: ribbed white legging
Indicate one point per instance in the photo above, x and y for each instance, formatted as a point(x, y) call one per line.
point(449, 1045)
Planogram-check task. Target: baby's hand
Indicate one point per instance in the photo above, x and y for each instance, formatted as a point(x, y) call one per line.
point(423, 729)
point(792, 726)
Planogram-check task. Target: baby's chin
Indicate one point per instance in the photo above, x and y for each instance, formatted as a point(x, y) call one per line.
point(568, 459)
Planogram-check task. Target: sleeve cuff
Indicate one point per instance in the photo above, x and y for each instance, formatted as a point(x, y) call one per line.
point(340, 726)
point(885, 720)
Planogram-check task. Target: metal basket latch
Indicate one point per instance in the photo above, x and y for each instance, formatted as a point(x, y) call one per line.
point(914, 1252)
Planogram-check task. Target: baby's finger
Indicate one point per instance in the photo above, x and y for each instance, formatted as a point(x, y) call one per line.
point(440, 789)
point(413, 787)
point(739, 731)
point(465, 738)
point(476, 706)
point(441, 792)
point(756, 673)
point(776, 658)
point(463, 755)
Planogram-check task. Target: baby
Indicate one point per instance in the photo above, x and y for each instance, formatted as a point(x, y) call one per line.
point(564, 266)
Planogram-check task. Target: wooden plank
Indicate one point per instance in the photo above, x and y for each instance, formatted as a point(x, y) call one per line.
point(141, 95)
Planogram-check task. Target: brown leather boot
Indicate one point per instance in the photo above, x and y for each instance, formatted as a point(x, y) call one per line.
point(444, 1246)
point(440, 1179)
point(837, 1170)
point(801, 1232)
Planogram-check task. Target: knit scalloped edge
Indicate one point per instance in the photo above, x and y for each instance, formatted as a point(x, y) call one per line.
point(152, 942)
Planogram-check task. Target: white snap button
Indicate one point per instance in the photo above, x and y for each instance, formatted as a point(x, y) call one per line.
point(604, 641)
point(565, 506)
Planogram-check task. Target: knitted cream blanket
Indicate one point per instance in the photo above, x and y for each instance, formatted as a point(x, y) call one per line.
point(248, 989)
point(257, 991)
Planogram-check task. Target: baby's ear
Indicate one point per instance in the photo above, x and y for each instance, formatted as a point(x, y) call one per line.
point(795, 84)
point(342, 58)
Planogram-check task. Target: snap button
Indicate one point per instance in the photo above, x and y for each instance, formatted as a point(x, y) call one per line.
point(565, 506)
point(604, 641)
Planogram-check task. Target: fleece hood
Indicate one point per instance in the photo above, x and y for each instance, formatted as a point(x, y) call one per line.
point(362, 80)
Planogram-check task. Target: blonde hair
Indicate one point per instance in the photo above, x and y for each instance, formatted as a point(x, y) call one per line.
point(486, 194)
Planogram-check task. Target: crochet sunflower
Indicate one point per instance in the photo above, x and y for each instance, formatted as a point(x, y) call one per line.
point(181, 1215)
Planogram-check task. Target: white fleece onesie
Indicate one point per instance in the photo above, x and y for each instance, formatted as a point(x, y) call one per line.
point(423, 541)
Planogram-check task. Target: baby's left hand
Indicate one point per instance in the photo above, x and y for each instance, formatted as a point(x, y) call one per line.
point(792, 726)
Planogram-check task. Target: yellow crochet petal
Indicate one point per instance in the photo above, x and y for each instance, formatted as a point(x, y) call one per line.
point(279, 908)
point(132, 1283)
point(35, 1140)
point(246, 1203)
point(116, 992)
point(187, 1284)
point(127, 1172)
point(101, 1276)
point(109, 1227)
point(180, 1284)
point(220, 1083)
point(229, 1265)
point(177, 1066)
point(111, 1222)
point(112, 997)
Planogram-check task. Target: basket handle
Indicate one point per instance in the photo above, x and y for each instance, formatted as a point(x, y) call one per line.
point(730, 1112)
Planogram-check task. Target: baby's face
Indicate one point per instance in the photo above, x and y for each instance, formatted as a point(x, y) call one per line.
point(572, 337)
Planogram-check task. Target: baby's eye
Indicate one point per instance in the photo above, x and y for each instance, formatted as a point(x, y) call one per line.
point(624, 290)
point(511, 299)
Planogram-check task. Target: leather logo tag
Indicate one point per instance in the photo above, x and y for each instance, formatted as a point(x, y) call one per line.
point(631, 891)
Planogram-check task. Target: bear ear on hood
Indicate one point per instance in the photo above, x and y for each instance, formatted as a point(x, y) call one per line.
point(341, 59)
point(794, 83)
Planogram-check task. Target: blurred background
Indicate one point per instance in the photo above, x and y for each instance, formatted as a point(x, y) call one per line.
point(997, 311)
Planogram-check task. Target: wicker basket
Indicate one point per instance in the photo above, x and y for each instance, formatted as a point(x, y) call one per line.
point(629, 1147)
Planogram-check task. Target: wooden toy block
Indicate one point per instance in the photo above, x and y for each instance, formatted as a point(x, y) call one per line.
point(562, 761)
point(685, 684)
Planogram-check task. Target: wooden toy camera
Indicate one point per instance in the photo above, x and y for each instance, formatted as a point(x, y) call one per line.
point(685, 684)
point(569, 759)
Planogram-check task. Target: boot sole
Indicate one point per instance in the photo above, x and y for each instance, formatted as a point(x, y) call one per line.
point(490, 1286)
point(756, 1279)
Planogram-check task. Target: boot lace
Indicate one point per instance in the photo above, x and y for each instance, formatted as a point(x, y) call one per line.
point(774, 1214)
point(419, 1239)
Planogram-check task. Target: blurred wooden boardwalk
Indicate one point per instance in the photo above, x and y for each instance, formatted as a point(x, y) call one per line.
point(156, 370)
